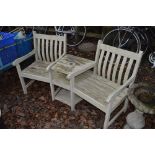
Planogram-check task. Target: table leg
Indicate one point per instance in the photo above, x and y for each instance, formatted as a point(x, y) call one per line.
point(52, 86)
point(72, 103)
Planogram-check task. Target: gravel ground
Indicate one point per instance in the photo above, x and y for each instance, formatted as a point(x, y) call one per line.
point(36, 109)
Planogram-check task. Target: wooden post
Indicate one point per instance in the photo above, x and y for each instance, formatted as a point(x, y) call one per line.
point(72, 103)
point(21, 79)
point(51, 85)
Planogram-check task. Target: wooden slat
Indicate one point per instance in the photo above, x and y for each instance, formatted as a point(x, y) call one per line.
point(51, 50)
point(39, 55)
point(121, 52)
point(105, 64)
point(116, 67)
point(98, 52)
point(60, 48)
point(95, 89)
point(43, 52)
point(110, 66)
point(121, 70)
point(46, 53)
point(47, 50)
point(35, 45)
point(100, 62)
point(65, 44)
point(55, 50)
point(53, 37)
point(35, 42)
point(128, 70)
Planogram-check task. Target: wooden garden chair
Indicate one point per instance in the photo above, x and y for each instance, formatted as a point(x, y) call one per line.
point(47, 50)
point(106, 87)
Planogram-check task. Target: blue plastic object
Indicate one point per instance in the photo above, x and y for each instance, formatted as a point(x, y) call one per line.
point(25, 45)
point(11, 49)
point(7, 50)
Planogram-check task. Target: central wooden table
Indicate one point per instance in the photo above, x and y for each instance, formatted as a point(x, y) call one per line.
point(70, 66)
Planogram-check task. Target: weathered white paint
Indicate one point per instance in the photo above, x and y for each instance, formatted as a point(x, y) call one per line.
point(64, 96)
point(62, 74)
point(46, 53)
point(107, 87)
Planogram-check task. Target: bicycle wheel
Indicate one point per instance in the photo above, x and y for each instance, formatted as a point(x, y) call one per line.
point(152, 57)
point(75, 34)
point(123, 38)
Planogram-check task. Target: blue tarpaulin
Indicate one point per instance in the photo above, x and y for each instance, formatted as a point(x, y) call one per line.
point(11, 48)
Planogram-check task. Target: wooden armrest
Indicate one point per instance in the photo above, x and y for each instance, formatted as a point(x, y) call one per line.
point(21, 59)
point(80, 70)
point(53, 63)
point(50, 65)
point(120, 89)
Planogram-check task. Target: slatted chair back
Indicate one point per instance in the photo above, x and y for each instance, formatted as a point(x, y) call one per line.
point(116, 64)
point(49, 48)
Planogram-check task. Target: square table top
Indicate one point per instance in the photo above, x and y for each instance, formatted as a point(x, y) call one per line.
point(70, 63)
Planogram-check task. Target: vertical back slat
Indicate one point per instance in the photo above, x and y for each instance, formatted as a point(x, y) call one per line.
point(36, 48)
point(49, 47)
point(65, 44)
point(105, 64)
point(35, 44)
point(51, 50)
point(110, 66)
point(100, 62)
point(128, 70)
point(39, 52)
point(43, 52)
point(47, 50)
point(116, 64)
point(60, 48)
point(116, 67)
point(121, 70)
point(97, 56)
point(55, 50)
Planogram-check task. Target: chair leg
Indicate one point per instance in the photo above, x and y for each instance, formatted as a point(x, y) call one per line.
point(106, 122)
point(72, 101)
point(21, 79)
point(52, 91)
point(52, 85)
point(126, 105)
point(23, 84)
point(108, 113)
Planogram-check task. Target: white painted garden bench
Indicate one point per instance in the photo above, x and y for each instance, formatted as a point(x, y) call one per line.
point(106, 87)
point(47, 50)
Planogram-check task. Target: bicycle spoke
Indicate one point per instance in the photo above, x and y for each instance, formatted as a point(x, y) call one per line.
point(119, 39)
point(123, 39)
